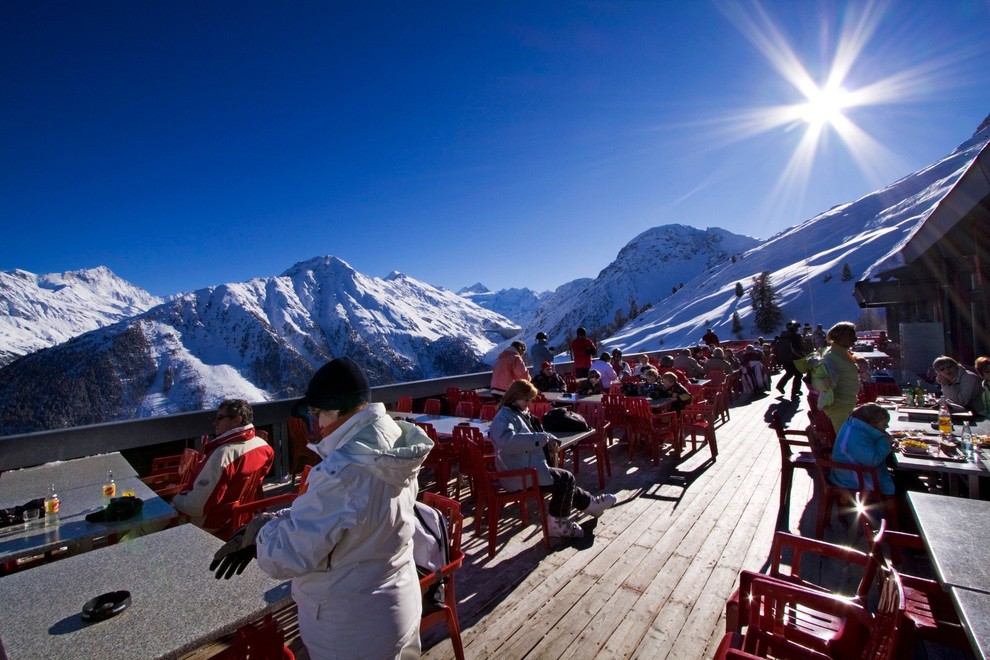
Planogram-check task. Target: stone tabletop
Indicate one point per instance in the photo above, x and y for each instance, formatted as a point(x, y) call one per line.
point(19, 486)
point(73, 531)
point(957, 535)
point(974, 613)
point(176, 603)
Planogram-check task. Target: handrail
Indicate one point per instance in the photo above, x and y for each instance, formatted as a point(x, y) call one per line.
point(27, 449)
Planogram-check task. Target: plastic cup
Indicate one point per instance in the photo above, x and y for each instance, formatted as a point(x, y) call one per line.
point(30, 516)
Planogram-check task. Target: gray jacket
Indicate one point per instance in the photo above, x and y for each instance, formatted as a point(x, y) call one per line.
point(518, 446)
point(540, 353)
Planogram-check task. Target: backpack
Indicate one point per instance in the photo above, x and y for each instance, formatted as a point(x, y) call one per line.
point(431, 552)
point(808, 363)
point(562, 419)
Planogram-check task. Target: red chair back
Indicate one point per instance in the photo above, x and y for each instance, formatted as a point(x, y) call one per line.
point(432, 407)
point(539, 408)
point(464, 408)
point(404, 404)
point(488, 412)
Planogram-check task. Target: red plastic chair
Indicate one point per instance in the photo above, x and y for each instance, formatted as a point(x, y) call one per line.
point(787, 556)
point(716, 394)
point(615, 413)
point(432, 407)
point(442, 457)
point(299, 439)
point(655, 429)
point(263, 640)
point(250, 488)
point(488, 412)
point(491, 496)
point(539, 408)
point(791, 456)
point(595, 416)
point(822, 425)
point(404, 404)
point(169, 484)
point(453, 397)
point(929, 615)
point(463, 458)
point(464, 409)
point(242, 512)
point(700, 418)
point(446, 614)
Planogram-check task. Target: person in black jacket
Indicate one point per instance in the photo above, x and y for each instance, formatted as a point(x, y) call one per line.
point(789, 347)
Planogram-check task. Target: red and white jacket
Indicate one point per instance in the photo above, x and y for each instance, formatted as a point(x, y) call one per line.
point(231, 459)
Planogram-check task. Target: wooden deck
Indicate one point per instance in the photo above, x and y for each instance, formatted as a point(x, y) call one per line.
point(651, 577)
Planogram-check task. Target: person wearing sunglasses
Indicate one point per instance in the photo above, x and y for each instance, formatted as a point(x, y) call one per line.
point(959, 385)
point(231, 458)
point(983, 370)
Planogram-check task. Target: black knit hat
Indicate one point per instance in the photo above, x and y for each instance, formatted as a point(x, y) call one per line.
point(339, 385)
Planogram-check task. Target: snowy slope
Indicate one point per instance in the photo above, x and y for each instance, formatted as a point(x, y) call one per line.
point(37, 311)
point(805, 262)
point(646, 271)
point(517, 304)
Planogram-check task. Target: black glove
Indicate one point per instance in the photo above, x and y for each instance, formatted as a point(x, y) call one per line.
point(226, 564)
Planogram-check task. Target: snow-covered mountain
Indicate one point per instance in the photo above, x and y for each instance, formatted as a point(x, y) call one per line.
point(647, 271)
point(38, 311)
point(259, 340)
point(813, 266)
point(517, 304)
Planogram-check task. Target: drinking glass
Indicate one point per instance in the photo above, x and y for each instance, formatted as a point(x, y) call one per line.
point(30, 516)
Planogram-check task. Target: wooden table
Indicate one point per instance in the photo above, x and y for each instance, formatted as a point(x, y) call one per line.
point(176, 603)
point(73, 531)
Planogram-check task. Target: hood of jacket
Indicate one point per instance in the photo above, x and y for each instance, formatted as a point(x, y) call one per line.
point(392, 450)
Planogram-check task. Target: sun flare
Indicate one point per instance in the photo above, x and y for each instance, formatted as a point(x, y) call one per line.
point(825, 105)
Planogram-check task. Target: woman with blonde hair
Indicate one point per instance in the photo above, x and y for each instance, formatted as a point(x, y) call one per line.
point(518, 445)
point(837, 378)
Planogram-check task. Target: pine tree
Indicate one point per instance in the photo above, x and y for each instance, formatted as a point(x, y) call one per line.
point(737, 326)
point(633, 309)
point(739, 290)
point(846, 273)
point(620, 318)
point(767, 314)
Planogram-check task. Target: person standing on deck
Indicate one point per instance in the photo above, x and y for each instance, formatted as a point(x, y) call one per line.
point(509, 367)
point(582, 350)
point(839, 374)
point(540, 352)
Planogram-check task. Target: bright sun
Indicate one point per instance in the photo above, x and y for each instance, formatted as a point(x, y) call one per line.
point(825, 105)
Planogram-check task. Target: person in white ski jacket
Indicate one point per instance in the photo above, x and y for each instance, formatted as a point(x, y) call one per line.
point(347, 541)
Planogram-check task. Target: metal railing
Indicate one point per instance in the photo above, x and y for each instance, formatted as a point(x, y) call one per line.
point(27, 449)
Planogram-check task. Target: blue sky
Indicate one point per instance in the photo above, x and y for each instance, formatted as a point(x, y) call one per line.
point(186, 144)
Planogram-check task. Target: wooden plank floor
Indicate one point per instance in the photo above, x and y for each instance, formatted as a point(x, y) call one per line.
point(651, 577)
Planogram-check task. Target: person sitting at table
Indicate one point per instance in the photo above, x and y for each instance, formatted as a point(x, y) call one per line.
point(540, 353)
point(863, 440)
point(959, 385)
point(983, 371)
point(603, 365)
point(509, 367)
point(731, 358)
point(347, 542)
point(717, 362)
point(549, 380)
point(684, 362)
point(621, 367)
point(519, 446)
point(590, 385)
point(231, 458)
point(582, 351)
point(642, 365)
point(669, 387)
point(881, 342)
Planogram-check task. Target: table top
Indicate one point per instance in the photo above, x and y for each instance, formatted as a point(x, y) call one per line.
point(176, 603)
point(442, 424)
point(974, 614)
point(20, 486)
point(956, 533)
point(73, 530)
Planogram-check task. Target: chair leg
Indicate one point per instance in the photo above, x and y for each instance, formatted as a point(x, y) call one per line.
point(453, 626)
point(784, 508)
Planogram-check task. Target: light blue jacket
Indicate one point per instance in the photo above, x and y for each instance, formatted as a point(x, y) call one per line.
point(518, 446)
point(862, 444)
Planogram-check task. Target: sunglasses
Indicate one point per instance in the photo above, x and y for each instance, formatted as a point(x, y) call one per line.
point(945, 367)
point(219, 417)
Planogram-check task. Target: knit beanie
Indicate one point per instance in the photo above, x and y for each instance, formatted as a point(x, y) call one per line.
point(339, 385)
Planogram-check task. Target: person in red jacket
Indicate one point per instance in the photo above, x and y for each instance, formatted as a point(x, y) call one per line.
point(583, 351)
point(235, 455)
point(508, 368)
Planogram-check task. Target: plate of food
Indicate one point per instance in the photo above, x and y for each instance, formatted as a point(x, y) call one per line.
point(914, 448)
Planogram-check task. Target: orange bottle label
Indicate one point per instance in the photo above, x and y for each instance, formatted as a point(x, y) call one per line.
point(109, 490)
point(51, 506)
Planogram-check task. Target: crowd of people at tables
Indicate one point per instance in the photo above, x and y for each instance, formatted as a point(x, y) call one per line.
point(358, 508)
